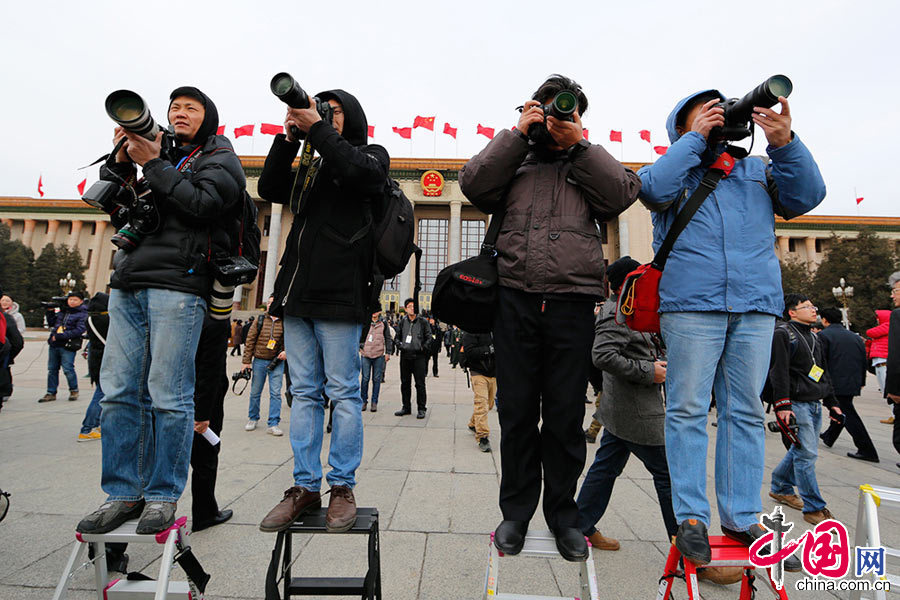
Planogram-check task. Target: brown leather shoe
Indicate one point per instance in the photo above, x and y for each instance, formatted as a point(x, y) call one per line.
point(296, 501)
point(603, 543)
point(720, 575)
point(792, 500)
point(341, 515)
point(816, 517)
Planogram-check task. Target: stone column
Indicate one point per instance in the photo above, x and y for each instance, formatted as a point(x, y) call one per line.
point(7, 222)
point(453, 239)
point(28, 232)
point(624, 239)
point(407, 280)
point(74, 234)
point(783, 247)
point(93, 277)
point(810, 243)
point(272, 250)
point(52, 228)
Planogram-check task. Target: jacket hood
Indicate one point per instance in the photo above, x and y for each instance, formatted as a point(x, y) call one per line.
point(884, 316)
point(356, 127)
point(13, 308)
point(670, 122)
point(99, 302)
point(211, 118)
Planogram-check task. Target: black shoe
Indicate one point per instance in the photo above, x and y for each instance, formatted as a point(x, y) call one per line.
point(692, 541)
point(218, 519)
point(420, 414)
point(365, 406)
point(484, 445)
point(571, 544)
point(825, 440)
point(402, 412)
point(472, 428)
point(510, 536)
point(861, 456)
point(436, 375)
point(116, 561)
point(756, 531)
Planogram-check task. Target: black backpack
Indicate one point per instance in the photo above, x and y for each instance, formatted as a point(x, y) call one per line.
point(394, 232)
point(249, 235)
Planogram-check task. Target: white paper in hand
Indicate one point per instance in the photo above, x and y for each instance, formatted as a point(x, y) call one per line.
point(210, 436)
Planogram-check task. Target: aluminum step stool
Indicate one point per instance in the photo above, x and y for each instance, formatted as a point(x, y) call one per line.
point(175, 549)
point(726, 552)
point(539, 544)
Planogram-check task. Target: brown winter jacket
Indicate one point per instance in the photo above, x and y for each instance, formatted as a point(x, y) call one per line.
point(258, 340)
point(549, 241)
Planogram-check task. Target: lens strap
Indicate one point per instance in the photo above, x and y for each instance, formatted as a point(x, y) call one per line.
point(306, 173)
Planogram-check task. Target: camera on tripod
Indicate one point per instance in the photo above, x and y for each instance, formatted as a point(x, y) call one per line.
point(289, 91)
point(738, 112)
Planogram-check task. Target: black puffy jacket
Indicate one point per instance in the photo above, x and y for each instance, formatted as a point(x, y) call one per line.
point(327, 266)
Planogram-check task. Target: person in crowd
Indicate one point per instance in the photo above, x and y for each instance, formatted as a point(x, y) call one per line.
point(878, 350)
point(162, 284)
point(326, 290)
point(245, 329)
point(11, 343)
point(67, 326)
point(264, 355)
point(800, 384)
point(718, 302)
point(448, 339)
point(375, 348)
point(414, 340)
point(11, 308)
point(237, 330)
point(455, 344)
point(845, 356)
point(892, 367)
point(595, 379)
point(477, 355)
point(552, 186)
point(97, 331)
point(435, 346)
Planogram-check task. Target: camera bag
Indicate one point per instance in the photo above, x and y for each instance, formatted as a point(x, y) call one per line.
point(394, 232)
point(639, 300)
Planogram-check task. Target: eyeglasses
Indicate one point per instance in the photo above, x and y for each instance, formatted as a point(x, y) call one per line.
point(806, 307)
point(895, 290)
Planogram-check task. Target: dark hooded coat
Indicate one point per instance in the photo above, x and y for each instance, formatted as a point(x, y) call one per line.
point(327, 266)
point(199, 209)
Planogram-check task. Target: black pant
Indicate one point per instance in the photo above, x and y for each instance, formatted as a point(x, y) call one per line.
point(414, 366)
point(543, 350)
point(236, 349)
point(896, 433)
point(434, 362)
point(855, 428)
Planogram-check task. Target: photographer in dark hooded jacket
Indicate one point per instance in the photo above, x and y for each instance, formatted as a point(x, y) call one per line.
point(160, 290)
point(325, 293)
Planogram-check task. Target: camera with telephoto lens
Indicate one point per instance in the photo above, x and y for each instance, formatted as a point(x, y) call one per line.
point(273, 364)
point(289, 91)
point(234, 270)
point(56, 302)
point(738, 112)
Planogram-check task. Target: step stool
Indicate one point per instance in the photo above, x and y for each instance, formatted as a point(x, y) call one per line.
point(726, 552)
point(368, 587)
point(538, 544)
point(176, 549)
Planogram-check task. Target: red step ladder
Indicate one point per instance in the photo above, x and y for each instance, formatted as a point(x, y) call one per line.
point(725, 553)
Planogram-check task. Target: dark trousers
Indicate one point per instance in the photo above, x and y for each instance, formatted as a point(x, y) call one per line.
point(855, 428)
point(434, 362)
point(610, 460)
point(543, 349)
point(415, 366)
point(896, 435)
point(205, 466)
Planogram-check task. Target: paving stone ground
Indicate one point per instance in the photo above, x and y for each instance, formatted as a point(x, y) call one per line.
point(436, 493)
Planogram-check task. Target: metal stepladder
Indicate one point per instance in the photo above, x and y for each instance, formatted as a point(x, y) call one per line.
point(538, 544)
point(725, 553)
point(868, 532)
point(176, 549)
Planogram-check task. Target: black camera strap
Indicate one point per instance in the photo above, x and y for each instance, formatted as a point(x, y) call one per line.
point(306, 173)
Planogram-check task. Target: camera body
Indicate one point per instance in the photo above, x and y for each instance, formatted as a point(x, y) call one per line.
point(241, 375)
point(56, 302)
point(562, 106)
point(739, 111)
point(234, 270)
point(289, 91)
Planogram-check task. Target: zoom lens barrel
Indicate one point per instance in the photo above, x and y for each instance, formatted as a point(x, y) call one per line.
point(130, 111)
point(289, 91)
point(765, 94)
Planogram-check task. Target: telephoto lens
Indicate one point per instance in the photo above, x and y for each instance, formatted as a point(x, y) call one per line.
point(765, 94)
point(289, 91)
point(130, 111)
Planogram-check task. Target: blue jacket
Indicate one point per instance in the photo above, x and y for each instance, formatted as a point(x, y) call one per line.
point(73, 322)
point(725, 260)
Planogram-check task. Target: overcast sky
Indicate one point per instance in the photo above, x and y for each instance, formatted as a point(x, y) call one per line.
point(464, 62)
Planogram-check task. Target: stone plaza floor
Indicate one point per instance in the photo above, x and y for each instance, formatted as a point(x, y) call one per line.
point(435, 491)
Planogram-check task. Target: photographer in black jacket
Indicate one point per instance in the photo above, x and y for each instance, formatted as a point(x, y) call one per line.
point(414, 340)
point(160, 290)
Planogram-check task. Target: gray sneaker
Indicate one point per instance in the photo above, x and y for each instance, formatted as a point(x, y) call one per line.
point(157, 517)
point(109, 516)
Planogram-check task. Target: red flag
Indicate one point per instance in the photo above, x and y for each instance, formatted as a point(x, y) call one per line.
point(660, 149)
point(270, 129)
point(245, 130)
point(81, 187)
point(488, 132)
point(858, 200)
point(404, 132)
point(645, 135)
point(584, 132)
point(371, 131)
point(451, 131)
point(426, 122)
point(41, 183)
point(220, 130)
point(615, 136)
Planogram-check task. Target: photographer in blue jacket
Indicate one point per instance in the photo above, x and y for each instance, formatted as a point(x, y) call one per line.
point(719, 294)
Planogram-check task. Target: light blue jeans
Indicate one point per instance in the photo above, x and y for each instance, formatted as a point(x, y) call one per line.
point(92, 414)
point(148, 380)
point(371, 368)
point(260, 373)
point(798, 467)
point(323, 356)
point(60, 357)
point(728, 353)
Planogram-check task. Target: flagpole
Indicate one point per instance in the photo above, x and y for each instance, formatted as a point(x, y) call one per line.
point(434, 141)
point(855, 196)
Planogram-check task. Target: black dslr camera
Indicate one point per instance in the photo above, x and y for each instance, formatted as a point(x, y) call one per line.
point(133, 200)
point(289, 91)
point(738, 112)
point(562, 107)
point(56, 302)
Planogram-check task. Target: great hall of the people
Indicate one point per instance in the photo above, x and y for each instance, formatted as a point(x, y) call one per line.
point(448, 229)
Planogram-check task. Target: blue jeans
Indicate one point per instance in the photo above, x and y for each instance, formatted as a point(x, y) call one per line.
point(323, 357)
point(727, 352)
point(148, 379)
point(798, 467)
point(260, 372)
point(374, 368)
point(92, 414)
point(56, 358)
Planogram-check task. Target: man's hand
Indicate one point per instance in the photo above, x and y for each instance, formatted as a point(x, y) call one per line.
point(140, 149)
point(282, 355)
point(777, 127)
point(784, 415)
point(246, 367)
point(894, 398)
point(531, 114)
point(201, 426)
point(387, 358)
point(566, 133)
point(301, 118)
point(122, 154)
point(659, 371)
point(708, 117)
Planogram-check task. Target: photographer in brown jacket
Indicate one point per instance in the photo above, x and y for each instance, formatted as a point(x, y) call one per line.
point(264, 353)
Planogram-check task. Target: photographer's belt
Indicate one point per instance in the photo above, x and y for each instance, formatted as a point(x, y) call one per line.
point(306, 173)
